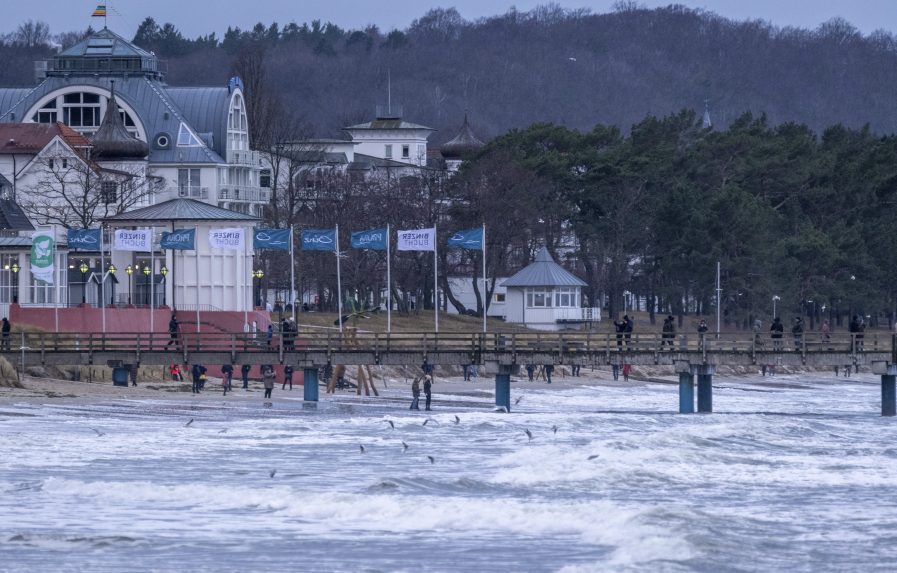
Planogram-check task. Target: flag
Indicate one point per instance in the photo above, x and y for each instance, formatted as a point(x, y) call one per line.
point(100, 11)
point(468, 239)
point(43, 247)
point(271, 239)
point(232, 239)
point(319, 240)
point(179, 240)
point(417, 240)
point(84, 239)
point(375, 239)
point(139, 240)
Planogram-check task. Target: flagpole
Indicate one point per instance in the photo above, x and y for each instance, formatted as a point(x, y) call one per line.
point(388, 284)
point(292, 275)
point(103, 278)
point(243, 289)
point(339, 284)
point(56, 281)
point(197, 289)
point(152, 277)
point(485, 283)
point(435, 280)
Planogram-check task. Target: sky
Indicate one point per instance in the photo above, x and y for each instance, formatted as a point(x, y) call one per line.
point(196, 17)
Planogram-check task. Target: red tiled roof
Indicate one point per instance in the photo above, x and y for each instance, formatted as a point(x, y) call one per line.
point(32, 137)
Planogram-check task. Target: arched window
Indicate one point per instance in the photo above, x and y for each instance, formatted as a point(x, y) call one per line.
point(83, 111)
point(237, 124)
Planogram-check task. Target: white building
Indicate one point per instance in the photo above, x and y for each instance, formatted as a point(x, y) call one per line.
point(545, 296)
point(389, 137)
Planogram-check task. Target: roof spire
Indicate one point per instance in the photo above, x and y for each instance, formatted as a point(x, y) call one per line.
point(112, 139)
point(705, 121)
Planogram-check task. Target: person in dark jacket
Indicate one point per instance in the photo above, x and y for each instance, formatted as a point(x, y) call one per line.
point(530, 370)
point(287, 377)
point(198, 373)
point(797, 329)
point(244, 371)
point(702, 331)
point(428, 389)
point(857, 328)
point(173, 331)
point(669, 332)
point(269, 378)
point(620, 328)
point(549, 368)
point(135, 368)
point(776, 329)
point(415, 394)
point(227, 370)
point(5, 329)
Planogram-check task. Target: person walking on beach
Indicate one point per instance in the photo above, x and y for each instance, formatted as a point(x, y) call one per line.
point(198, 372)
point(530, 370)
point(549, 368)
point(287, 377)
point(669, 332)
point(615, 368)
point(244, 371)
point(428, 389)
point(415, 394)
point(776, 329)
point(173, 330)
point(133, 372)
point(227, 372)
point(627, 368)
point(268, 378)
point(5, 329)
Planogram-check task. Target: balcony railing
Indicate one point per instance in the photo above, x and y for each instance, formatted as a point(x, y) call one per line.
point(242, 157)
point(244, 193)
point(193, 192)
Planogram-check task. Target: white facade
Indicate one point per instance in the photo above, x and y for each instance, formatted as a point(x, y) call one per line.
point(462, 289)
point(548, 308)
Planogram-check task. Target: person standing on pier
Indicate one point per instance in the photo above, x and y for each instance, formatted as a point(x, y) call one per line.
point(173, 330)
point(620, 327)
point(244, 371)
point(702, 331)
point(776, 329)
point(7, 327)
point(797, 329)
point(428, 389)
point(415, 394)
point(627, 329)
point(825, 331)
point(669, 332)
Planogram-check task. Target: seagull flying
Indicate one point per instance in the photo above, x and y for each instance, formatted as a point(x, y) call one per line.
point(361, 448)
point(432, 459)
point(404, 447)
point(391, 425)
point(572, 59)
point(529, 434)
point(457, 419)
point(554, 429)
point(425, 422)
point(99, 433)
point(188, 423)
point(519, 398)
point(593, 456)
point(272, 473)
point(224, 431)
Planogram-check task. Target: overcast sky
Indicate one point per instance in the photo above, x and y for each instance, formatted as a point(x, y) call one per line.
point(195, 17)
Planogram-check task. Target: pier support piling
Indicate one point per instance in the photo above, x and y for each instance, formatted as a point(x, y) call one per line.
point(686, 393)
point(310, 384)
point(503, 387)
point(705, 393)
point(888, 395)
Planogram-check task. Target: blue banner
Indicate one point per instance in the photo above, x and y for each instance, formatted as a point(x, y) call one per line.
point(375, 239)
point(179, 240)
point(319, 240)
point(84, 239)
point(271, 239)
point(469, 239)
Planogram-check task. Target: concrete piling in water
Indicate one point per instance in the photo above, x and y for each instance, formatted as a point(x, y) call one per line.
point(686, 393)
point(888, 395)
point(503, 387)
point(310, 384)
point(705, 387)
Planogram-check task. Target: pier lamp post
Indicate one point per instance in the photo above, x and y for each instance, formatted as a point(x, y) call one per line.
point(164, 272)
point(130, 270)
point(15, 282)
point(258, 289)
point(112, 270)
point(775, 298)
point(83, 268)
point(146, 273)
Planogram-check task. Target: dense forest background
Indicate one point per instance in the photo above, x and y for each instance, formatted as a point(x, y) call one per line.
point(570, 68)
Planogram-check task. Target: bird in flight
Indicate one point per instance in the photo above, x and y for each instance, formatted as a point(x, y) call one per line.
point(404, 447)
point(519, 398)
point(361, 448)
point(391, 425)
point(273, 472)
point(457, 419)
point(99, 433)
point(529, 434)
point(432, 459)
point(188, 423)
point(554, 429)
point(593, 456)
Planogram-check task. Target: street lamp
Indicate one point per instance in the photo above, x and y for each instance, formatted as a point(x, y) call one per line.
point(775, 298)
point(258, 292)
point(83, 268)
point(146, 273)
point(130, 270)
point(112, 270)
point(15, 282)
point(164, 272)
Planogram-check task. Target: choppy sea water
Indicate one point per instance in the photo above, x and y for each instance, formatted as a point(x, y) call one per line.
point(796, 478)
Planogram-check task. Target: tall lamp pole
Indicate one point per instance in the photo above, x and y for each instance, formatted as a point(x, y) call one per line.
point(146, 273)
point(15, 282)
point(258, 288)
point(164, 272)
point(775, 298)
point(130, 270)
point(83, 268)
point(112, 270)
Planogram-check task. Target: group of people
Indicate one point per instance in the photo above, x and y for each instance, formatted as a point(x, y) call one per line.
point(415, 391)
point(288, 332)
point(547, 370)
point(198, 374)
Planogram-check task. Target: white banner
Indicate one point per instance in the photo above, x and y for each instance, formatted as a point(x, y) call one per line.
point(417, 240)
point(43, 251)
point(139, 240)
point(227, 238)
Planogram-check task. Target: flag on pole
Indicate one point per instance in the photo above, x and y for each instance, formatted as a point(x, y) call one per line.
point(467, 239)
point(179, 240)
point(318, 240)
point(231, 239)
point(43, 246)
point(417, 240)
point(138, 240)
point(83, 239)
point(100, 12)
point(374, 239)
point(271, 239)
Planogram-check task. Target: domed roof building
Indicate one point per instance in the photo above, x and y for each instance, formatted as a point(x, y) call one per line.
point(460, 147)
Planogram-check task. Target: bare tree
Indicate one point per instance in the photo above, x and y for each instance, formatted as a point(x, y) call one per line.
point(32, 33)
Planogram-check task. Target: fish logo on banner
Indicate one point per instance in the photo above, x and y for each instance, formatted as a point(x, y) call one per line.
point(468, 239)
point(139, 240)
point(179, 240)
point(232, 239)
point(43, 245)
point(319, 240)
point(271, 239)
point(417, 240)
point(375, 239)
point(84, 239)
